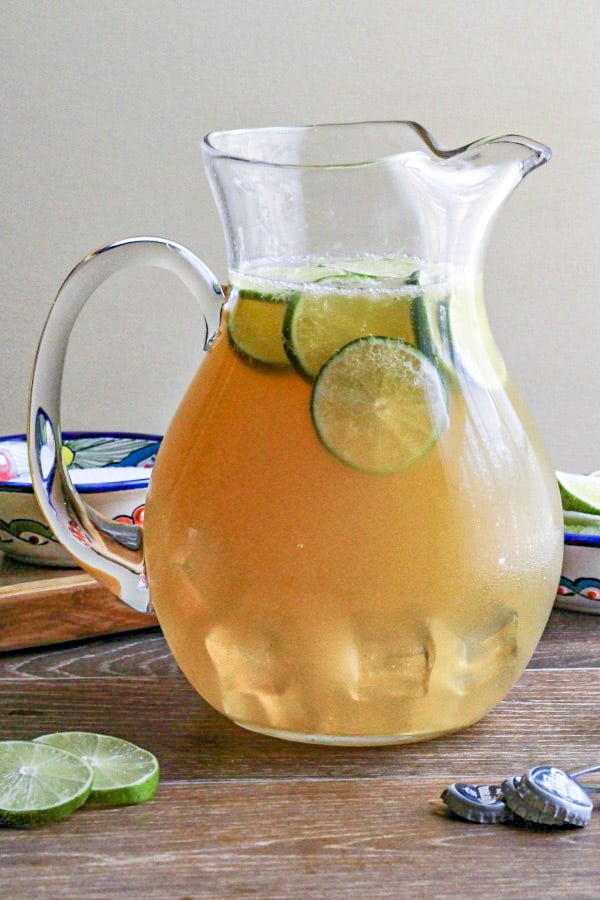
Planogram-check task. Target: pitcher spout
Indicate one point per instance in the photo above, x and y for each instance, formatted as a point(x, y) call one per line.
point(494, 150)
point(460, 191)
point(529, 153)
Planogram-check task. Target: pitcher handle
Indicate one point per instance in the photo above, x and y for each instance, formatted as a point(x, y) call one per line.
point(110, 551)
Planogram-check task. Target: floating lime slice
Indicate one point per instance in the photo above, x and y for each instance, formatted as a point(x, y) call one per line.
point(454, 331)
point(122, 772)
point(40, 784)
point(379, 405)
point(580, 493)
point(255, 327)
point(256, 315)
point(318, 324)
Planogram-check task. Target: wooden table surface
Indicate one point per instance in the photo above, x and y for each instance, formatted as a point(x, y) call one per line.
point(239, 814)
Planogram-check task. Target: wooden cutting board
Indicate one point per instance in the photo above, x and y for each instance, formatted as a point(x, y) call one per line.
point(40, 606)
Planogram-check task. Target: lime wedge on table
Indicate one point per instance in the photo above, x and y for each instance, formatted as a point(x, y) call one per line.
point(580, 493)
point(123, 773)
point(316, 325)
point(379, 404)
point(40, 784)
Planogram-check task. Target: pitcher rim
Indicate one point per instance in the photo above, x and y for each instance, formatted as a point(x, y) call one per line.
point(540, 153)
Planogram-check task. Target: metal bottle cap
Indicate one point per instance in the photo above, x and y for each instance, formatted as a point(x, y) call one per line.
point(509, 789)
point(476, 803)
point(548, 796)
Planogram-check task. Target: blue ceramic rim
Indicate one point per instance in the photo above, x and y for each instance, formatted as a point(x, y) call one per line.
point(10, 487)
point(581, 540)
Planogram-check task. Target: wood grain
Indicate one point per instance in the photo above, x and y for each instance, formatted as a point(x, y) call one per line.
point(13, 571)
point(367, 838)
point(61, 608)
point(571, 640)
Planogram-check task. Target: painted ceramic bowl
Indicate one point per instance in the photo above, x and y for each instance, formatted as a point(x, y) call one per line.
point(579, 587)
point(111, 470)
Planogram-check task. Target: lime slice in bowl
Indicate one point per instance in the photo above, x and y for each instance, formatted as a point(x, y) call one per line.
point(379, 405)
point(40, 784)
point(123, 773)
point(580, 493)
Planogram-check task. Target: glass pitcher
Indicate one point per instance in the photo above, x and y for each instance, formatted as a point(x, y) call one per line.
point(352, 533)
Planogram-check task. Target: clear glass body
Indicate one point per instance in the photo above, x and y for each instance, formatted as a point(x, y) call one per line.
point(352, 533)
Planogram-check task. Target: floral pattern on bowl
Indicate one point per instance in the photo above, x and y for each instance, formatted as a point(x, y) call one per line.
point(579, 587)
point(112, 469)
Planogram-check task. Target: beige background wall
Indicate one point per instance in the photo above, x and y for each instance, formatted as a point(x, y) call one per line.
point(103, 108)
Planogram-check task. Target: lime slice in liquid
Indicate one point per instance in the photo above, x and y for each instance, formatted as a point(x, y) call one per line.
point(258, 310)
point(40, 784)
point(255, 328)
point(318, 324)
point(122, 772)
point(580, 493)
point(379, 405)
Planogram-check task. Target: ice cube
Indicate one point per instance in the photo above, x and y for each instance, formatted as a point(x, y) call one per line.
point(466, 659)
point(492, 648)
point(246, 659)
point(392, 662)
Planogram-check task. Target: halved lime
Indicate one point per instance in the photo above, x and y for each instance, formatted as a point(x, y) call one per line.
point(123, 772)
point(318, 324)
point(379, 404)
point(580, 493)
point(40, 784)
point(255, 328)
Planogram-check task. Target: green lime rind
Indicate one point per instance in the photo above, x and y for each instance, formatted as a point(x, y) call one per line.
point(264, 296)
point(123, 773)
point(39, 784)
point(379, 405)
point(580, 493)
point(129, 795)
point(431, 324)
point(288, 341)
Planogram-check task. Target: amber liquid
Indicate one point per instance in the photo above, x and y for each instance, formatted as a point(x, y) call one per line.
point(307, 599)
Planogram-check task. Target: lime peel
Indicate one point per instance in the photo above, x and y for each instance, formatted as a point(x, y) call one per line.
point(123, 772)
